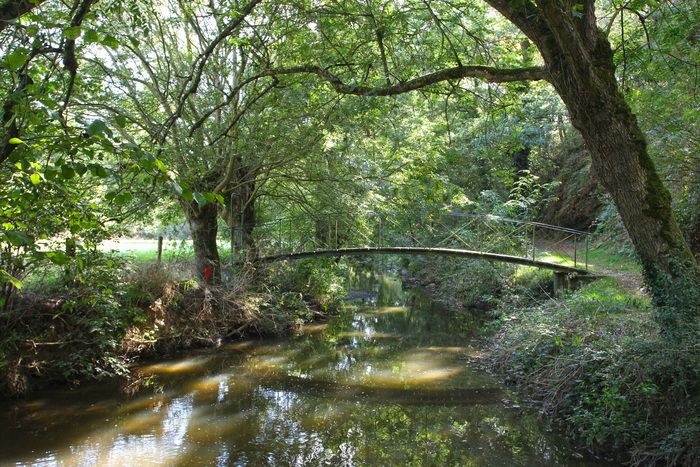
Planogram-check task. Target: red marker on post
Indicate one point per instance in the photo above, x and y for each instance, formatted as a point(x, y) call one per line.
point(207, 273)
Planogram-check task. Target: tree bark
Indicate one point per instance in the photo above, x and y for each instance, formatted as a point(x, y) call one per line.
point(579, 64)
point(204, 229)
point(13, 9)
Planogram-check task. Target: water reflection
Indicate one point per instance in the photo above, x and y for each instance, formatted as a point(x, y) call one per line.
point(385, 385)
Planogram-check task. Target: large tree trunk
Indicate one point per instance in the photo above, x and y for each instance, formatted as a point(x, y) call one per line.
point(579, 63)
point(204, 227)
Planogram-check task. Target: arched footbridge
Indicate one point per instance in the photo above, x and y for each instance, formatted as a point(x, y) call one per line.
point(475, 236)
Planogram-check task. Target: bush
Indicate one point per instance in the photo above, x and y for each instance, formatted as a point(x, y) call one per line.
point(91, 319)
point(462, 282)
point(319, 280)
point(597, 362)
point(69, 328)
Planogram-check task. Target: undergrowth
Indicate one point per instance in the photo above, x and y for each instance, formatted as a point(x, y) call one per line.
point(93, 322)
point(597, 362)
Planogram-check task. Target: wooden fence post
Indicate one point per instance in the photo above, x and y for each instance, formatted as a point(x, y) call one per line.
point(160, 248)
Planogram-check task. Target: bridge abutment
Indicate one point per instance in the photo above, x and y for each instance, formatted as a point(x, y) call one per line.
point(565, 281)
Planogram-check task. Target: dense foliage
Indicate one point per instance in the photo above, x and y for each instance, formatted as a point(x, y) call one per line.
point(235, 123)
point(597, 361)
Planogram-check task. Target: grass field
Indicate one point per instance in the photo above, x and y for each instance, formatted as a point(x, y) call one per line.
point(144, 249)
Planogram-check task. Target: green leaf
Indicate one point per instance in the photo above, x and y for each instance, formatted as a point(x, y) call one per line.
point(5, 277)
point(148, 162)
point(200, 198)
point(187, 195)
point(123, 198)
point(72, 32)
point(35, 178)
point(32, 30)
point(120, 121)
point(17, 59)
point(15, 141)
point(98, 170)
point(67, 172)
point(17, 238)
point(80, 168)
point(58, 257)
point(97, 127)
point(90, 36)
point(50, 173)
point(110, 41)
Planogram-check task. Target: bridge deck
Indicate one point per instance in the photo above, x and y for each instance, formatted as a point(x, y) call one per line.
point(429, 251)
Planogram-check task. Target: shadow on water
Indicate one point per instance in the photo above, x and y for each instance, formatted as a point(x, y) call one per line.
point(383, 383)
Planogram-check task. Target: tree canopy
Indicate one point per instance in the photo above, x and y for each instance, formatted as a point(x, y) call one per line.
point(239, 110)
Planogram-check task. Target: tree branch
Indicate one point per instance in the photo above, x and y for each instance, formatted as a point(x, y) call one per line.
point(13, 9)
point(192, 83)
point(70, 61)
point(489, 74)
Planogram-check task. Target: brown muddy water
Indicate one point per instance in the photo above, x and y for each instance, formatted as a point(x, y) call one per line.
point(387, 383)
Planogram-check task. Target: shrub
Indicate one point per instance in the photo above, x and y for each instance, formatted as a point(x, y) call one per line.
point(597, 362)
point(71, 328)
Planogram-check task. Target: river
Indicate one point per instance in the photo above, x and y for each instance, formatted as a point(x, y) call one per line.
point(390, 381)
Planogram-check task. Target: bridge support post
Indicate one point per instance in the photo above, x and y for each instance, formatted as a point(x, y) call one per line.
point(561, 283)
point(565, 281)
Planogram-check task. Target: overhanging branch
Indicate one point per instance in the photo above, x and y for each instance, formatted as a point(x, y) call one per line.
point(486, 73)
point(192, 81)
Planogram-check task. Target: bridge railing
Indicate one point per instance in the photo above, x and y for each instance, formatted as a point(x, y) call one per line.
point(476, 232)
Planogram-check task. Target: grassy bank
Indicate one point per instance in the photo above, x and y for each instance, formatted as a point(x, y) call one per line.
point(68, 327)
point(597, 364)
point(594, 359)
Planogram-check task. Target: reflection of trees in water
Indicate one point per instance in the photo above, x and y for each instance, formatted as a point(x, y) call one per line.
point(374, 388)
point(379, 290)
point(294, 430)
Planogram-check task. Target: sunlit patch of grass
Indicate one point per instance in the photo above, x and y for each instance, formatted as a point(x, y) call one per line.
point(599, 258)
point(141, 250)
point(602, 258)
point(557, 258)
point(607, 295)
point(530, 276)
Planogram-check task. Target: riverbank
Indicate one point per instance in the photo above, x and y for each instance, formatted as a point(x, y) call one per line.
point(596, 363)
point(76, 330)
point(593, 360)
point(382, 382)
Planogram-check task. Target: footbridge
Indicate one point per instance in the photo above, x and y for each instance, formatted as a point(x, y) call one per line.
point(467, 235)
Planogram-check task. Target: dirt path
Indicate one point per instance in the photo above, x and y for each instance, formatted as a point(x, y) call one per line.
point(632, 281)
